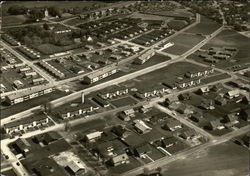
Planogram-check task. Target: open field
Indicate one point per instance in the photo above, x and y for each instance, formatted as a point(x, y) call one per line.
point(13, 20)
point(123, 102)
point(170, 73)
point(183, 43)
point(226, 159)
point(177, 24)
point(228, 38)
point(205, 27)
point(174, 13)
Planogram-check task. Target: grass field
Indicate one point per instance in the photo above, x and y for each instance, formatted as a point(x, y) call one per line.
point(123, 102)
point(176, 13)
point(227, 159)
point(215, 78)
point(48, 48)
point(177, 24)
point(13, 20)
point(229, 38)
point(205, 27)
point(169, 74)
point(183, 43)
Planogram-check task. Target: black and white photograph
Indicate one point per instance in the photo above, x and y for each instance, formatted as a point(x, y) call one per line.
point(125, 88)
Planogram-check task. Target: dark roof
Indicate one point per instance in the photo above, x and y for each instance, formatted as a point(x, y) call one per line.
point(143, 149)
point(49, 137)
point(133, 140)
point(153, 135)
point(116, 146)
point(173, 123)
point(169, 140)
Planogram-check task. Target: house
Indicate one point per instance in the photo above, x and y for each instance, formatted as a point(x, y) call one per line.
point(207, 104)
point(219, 100)
point(112, 151)
point(216, 87)
point(127, 114)
point(120, 131)
point(232, 94)
point(157, 118)
point(92, 137)
point(184, 109)
point(141, 127)
point(76, 167)
point(170, 85)
point(51, 69)
point(232, 118)
point(172, 125)
point(140, 151)
point(203, 90)
point(145, 108)
point(18, 84)
point(101, 101)
point(120, 159)
point(188, 134)
point(22, 146)
point(245, 114)
point(215, 124)
point(184, 96)
point(196, 116)
point(132, 141)
point(169, 142)
point(170, 100)
point(48, 138)
point(187, 83)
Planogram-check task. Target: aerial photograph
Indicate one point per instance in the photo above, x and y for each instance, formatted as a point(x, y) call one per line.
point(125, 88)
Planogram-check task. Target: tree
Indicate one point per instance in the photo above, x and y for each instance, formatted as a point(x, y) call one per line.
point(27, 41)
point(36, 14)
point(45, 26)
point(55, 11)
point(17, 10)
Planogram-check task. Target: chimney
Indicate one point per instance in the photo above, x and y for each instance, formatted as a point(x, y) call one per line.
point(82, 95)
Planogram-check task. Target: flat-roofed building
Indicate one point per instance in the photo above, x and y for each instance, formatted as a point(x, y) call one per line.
point(28, 94)
point(100, 74)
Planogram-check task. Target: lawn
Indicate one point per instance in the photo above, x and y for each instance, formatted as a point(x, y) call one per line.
point(177, 24)
point(174, 13)
point(183, 43)
point(13, 20)
point(168, 74)
point(226, 159)
point(228, 38)
point(205, 27)
point(48, 48)
point(215, 78)
point(123, 102)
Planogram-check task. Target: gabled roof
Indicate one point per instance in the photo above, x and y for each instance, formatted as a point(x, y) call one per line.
point(75, 166)
point(233, 92)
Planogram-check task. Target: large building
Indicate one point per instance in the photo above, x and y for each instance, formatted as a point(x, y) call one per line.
point(144, 57)
point(25, 124)
point(28, 94)
point(100, 74)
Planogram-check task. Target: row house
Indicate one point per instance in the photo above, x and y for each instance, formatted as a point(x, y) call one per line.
point(76, 111)
point(54, 71)
point(188, 83)
point(204, 72)
point(25, 124)
point(100, 74)
point(28, 94)
point(151, 91)
point(113, 92)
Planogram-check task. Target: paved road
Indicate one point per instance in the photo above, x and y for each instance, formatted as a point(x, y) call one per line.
point(182, 119)
point(29, 63)
point(166, 160)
